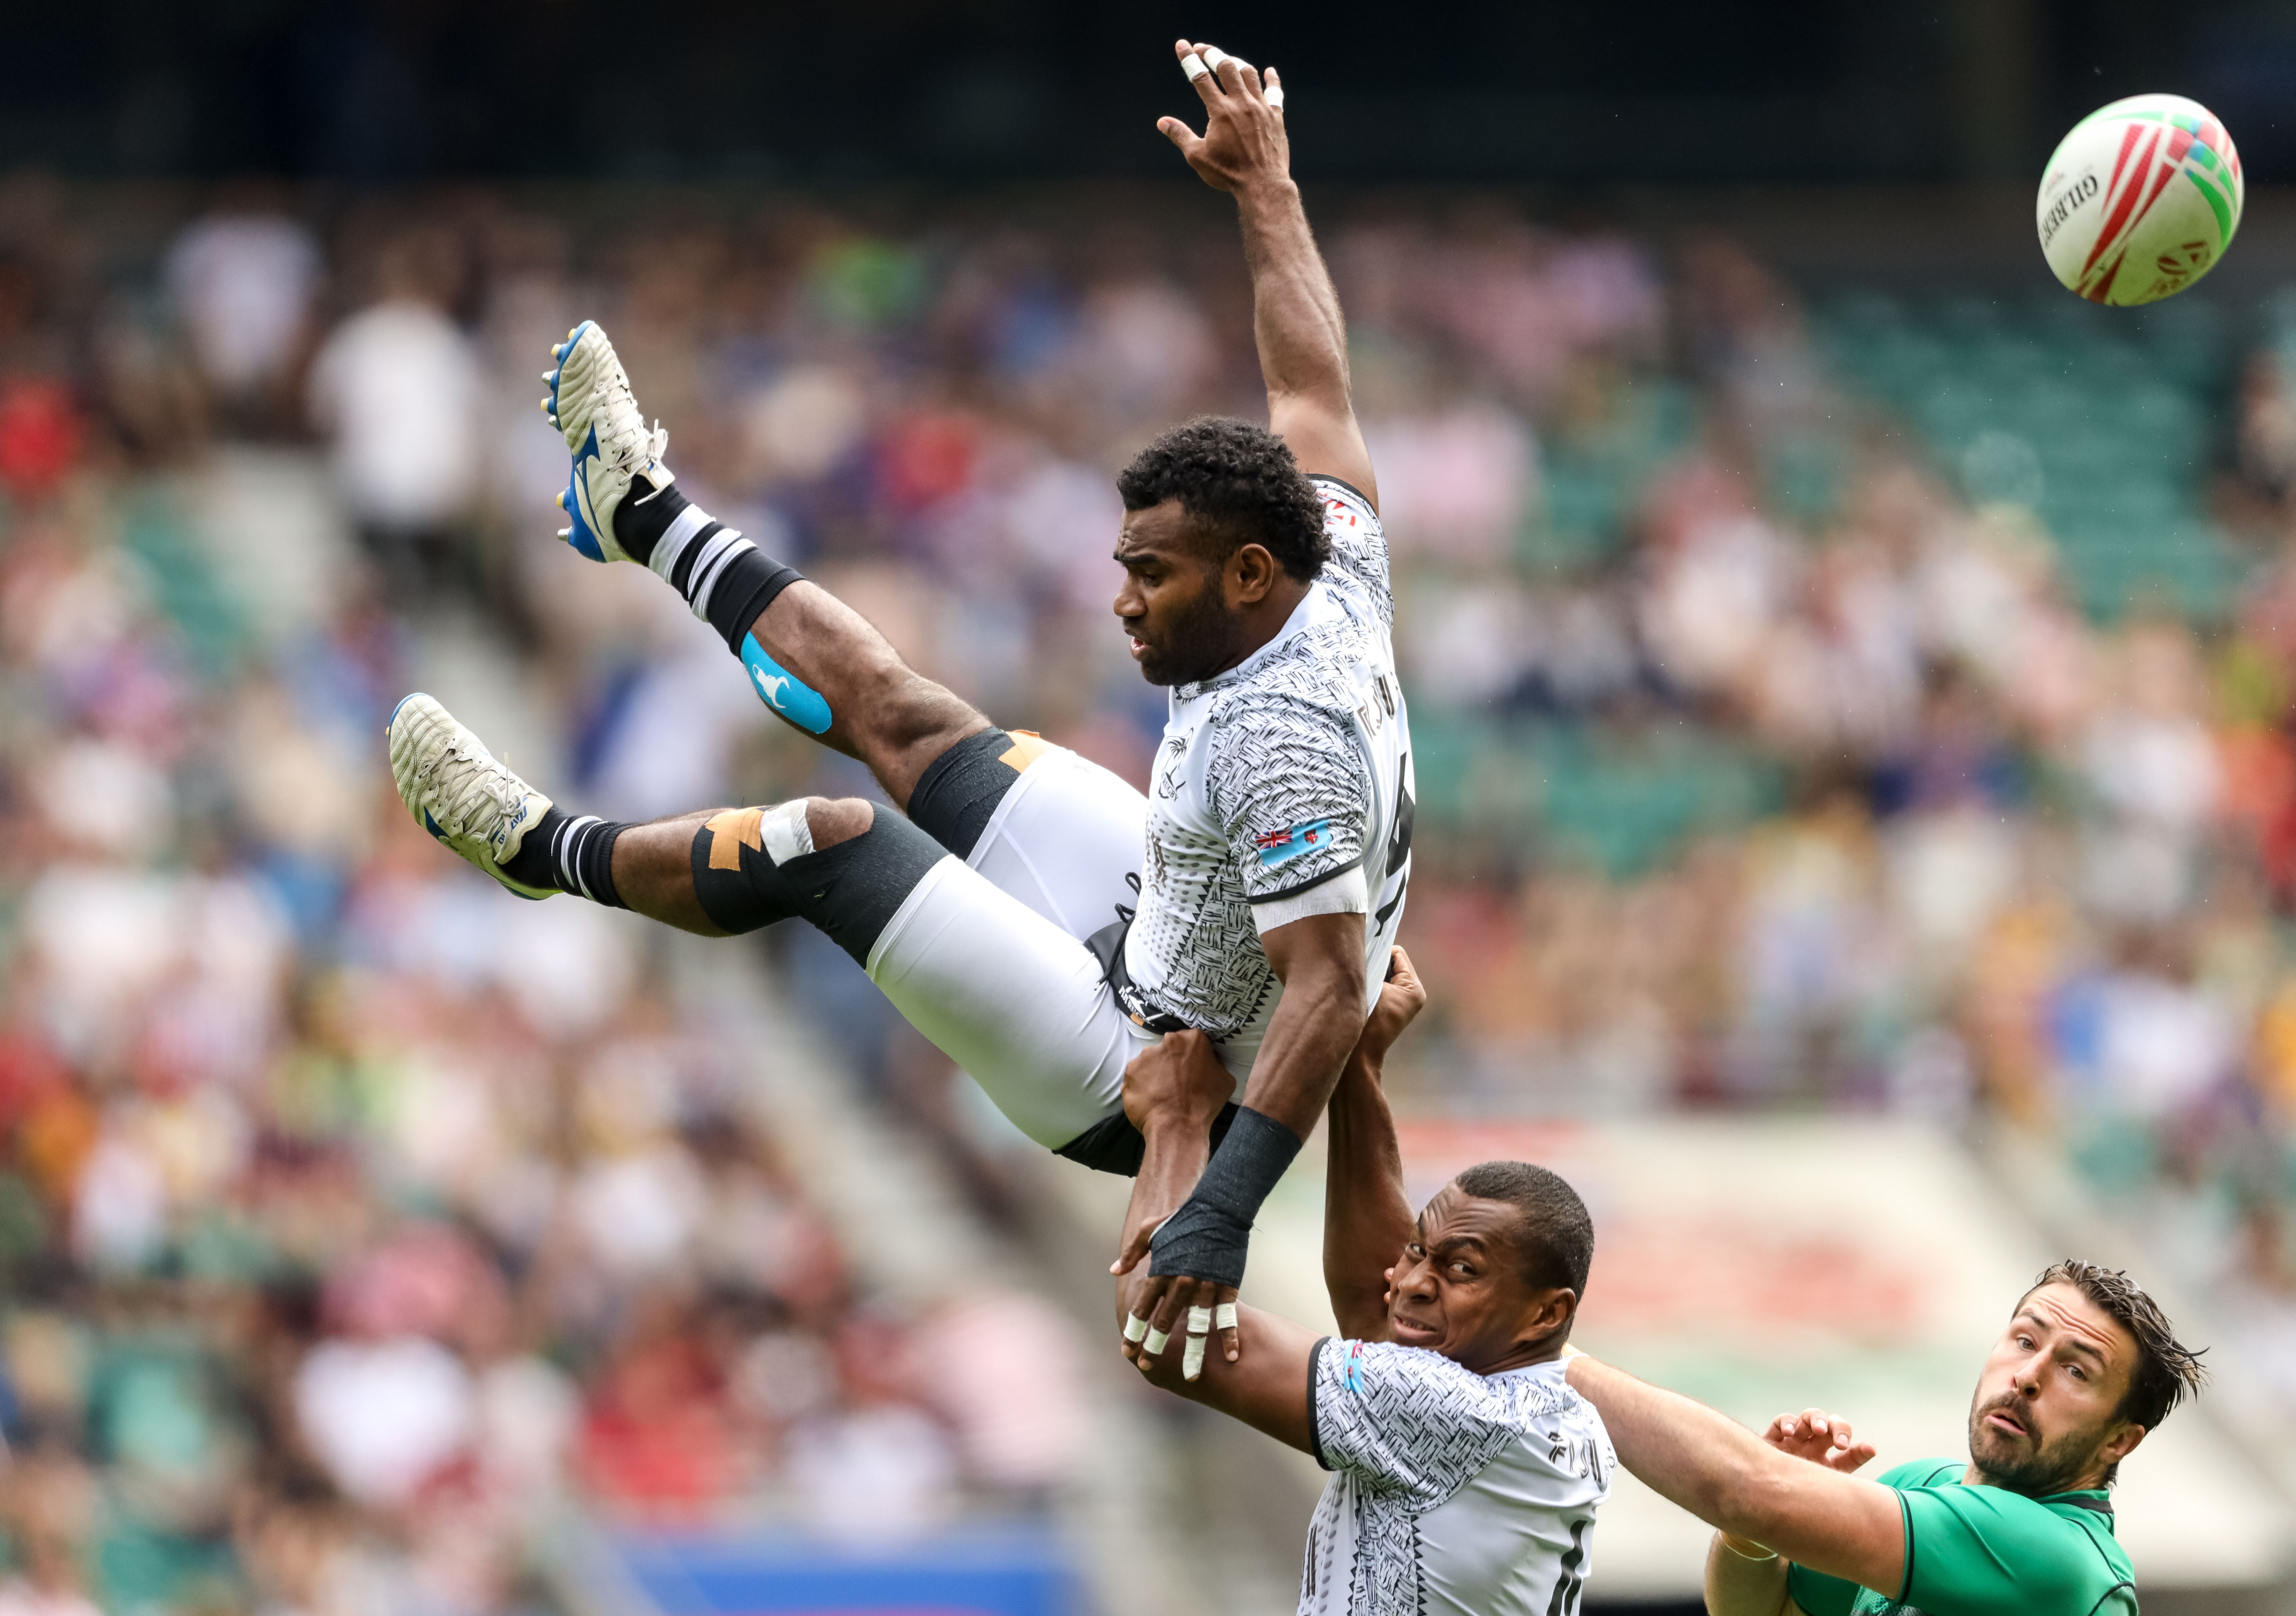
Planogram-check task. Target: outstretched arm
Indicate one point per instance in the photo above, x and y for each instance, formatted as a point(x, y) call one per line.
point(1742, 1578)
point(1729, 1478)
point(1367, 1217)
point(1303, 340)
point(1265, 1388)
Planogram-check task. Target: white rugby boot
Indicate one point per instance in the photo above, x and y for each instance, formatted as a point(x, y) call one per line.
point(592, 405)
point(461, 792)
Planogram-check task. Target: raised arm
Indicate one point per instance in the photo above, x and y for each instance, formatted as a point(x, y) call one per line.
point(1303, 340)
point(1762, 1497)
point(1367, 1217)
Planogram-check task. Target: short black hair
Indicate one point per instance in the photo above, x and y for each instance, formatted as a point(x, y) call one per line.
point(2167, 1370)
point(1240, 482)
point(1558, 1245)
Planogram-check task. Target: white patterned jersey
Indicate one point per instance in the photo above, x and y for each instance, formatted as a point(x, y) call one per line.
point(1451, 1491)
point(1283, 789)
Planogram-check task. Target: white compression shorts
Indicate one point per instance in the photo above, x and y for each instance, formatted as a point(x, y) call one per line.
point(985, 956)
point(1064, 839)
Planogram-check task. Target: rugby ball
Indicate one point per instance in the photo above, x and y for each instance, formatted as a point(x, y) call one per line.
point(2140, 200)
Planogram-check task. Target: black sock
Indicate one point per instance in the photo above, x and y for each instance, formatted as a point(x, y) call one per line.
point(725, 579)
point(572, 854)
point(640, 518)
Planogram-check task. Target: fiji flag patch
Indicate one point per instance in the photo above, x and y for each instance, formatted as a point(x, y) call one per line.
point(1281, 847)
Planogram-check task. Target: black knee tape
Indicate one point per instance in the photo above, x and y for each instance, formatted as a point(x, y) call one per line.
point(850, 891)
point(960, 789)
point(736, 881)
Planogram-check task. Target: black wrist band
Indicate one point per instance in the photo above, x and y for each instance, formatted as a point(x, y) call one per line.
point(1209, 1237)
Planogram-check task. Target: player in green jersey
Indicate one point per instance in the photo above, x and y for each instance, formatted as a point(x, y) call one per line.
point(2023, 1528)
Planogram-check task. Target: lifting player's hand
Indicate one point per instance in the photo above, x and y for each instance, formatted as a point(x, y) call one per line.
point(1174, 1086)
point(1244, 137)
point(1819, 1437)
point(1402, 997)
point(1163, 1304)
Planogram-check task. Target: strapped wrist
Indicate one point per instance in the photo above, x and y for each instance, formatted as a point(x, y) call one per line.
point(1209, 1237)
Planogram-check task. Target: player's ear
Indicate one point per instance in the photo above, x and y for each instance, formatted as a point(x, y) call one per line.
point(1548, 1314)
point(1253, 570)
point(2122, 1442)
point(1560, 1311)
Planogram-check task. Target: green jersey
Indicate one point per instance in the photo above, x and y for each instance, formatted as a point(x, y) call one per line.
point(1983, 1551)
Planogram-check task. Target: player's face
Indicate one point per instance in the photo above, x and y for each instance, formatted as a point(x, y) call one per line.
point(1174, 601)
point(1459, 1290)
point(2047, 1415)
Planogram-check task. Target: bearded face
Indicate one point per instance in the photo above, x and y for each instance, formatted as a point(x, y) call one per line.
point(2047, 1414)
point(2009, 1445)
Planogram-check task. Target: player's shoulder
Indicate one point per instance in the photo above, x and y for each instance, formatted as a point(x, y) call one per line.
point(1343, 502)
point(1293, 686)
point(1360, 1367)
point(1357, 566)
point(1518, 1396)
point(1922, 1472)
point(2061, 1545)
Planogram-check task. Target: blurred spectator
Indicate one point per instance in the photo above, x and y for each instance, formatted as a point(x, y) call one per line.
point(243, 278)
point(395, 386)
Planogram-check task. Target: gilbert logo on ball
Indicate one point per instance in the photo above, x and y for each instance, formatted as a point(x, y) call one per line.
point(2140, 200)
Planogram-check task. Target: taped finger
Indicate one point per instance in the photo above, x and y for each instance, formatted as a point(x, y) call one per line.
point(1158, 1339)
point(1224, 1317)
point(1192, 1360)
point(1275, 97)
point(1194, 66)
point(1136, 1328)
point(1199, 1321)
point(1213, 56)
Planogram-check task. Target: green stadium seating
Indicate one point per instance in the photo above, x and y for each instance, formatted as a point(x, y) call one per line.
point(2115, 403)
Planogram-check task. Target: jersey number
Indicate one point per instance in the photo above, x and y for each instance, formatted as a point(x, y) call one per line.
point(1398, 845)
point(1399, 842)
point(1565, 1601)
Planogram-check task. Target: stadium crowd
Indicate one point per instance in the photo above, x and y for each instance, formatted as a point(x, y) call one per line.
point(352, 1213)
point(353, 1218)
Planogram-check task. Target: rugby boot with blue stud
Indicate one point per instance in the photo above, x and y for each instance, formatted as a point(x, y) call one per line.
point(591, 405)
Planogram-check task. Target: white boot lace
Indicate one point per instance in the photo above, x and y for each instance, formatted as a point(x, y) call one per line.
point(471, 792)
point(623, 441)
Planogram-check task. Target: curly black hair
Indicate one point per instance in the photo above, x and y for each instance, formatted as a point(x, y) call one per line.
point(1558, 1245)
point(1240, 483)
